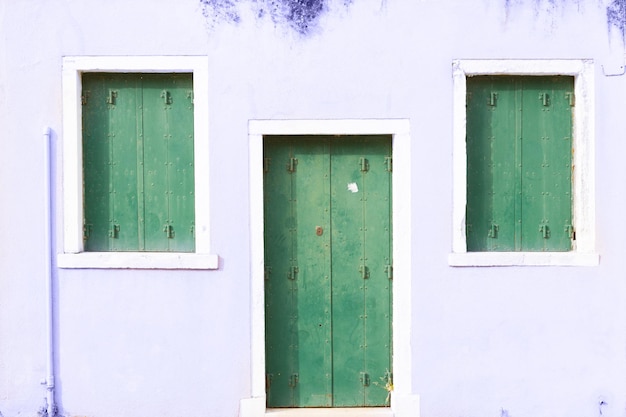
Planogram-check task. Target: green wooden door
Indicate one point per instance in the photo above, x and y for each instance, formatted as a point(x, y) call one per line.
point(519, 163)
point(328, 270)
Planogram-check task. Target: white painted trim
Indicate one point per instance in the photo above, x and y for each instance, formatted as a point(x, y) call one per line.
point(73, 67)
point(402, 300)
point(523, 259)
point(137, 260)
point(584, 251)
point(330, 412)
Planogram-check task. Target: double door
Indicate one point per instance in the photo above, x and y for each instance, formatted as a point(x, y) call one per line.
point(328, 276)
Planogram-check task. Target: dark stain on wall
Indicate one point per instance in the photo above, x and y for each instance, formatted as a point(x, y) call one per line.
point(615, 10)
point(300, 15)
point(225, 10)
point(616, 16)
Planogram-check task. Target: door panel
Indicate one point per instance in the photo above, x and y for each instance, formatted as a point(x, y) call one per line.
point(328, 276)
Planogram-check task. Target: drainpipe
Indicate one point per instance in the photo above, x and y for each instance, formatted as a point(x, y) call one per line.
point(49, 409)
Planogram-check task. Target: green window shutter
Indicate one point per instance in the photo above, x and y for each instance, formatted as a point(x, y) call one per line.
point(491, 164)
point(96, 163)
point(547, 155)
point(135, 180)
point(181, 164)
point(518, 173)
point(168, 158)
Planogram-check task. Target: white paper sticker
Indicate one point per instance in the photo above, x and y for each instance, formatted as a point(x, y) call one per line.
point(353, 187)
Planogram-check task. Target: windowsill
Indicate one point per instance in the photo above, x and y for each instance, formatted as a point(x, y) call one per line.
point(137, 260)
point(330, 412)
point(523, 259)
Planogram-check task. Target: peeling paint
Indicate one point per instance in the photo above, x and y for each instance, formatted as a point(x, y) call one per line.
point(300, 15)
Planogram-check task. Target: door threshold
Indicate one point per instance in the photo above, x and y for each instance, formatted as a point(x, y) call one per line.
point(330, 412)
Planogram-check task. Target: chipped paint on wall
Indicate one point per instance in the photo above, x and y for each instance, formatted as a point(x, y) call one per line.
point(300, 15)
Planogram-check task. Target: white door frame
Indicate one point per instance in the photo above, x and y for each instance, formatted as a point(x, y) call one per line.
point(403, 401)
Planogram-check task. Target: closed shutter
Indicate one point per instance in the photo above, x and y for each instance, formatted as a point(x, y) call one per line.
point(519, 150)
point(138, 162)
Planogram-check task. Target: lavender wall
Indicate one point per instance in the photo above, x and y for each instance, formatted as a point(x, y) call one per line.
point(519, 342)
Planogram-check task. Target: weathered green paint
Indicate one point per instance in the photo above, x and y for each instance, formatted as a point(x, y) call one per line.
point(138, 162)
point(519, 152)
point(328, 290)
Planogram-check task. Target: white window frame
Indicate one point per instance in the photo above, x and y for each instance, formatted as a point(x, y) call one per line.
point(583, 252)
point(403, 401)
point(74, 255)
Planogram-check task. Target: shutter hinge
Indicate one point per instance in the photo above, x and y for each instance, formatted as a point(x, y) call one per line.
point(571, 232)
point(493, 231)
point(167, 97)
point(87, 231)
point(293, 380)
point(114, 231)
point(266, 164)
point(293, 272)
point(84, 98)
point(571, 97)
point(111, 97)
point(365, 271)
point(268, 380)
point(545, 231)
point(190, 96)
point(389, 163)
point(365, 165)
point(267, 273)
point(545, 99)
point(389, 271)
point(291, 166)
point(365, 379)
point(492, 99)
point(169, 231)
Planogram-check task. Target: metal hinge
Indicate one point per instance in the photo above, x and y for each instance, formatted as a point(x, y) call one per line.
point(293, 271)
point(167, 97)
point(169, 231)
point(571, 232)
point(266, 164)
point(365, 165)
point(571, 97)
point(365, 271)
point(545, 99)
point(84, 98)
point(190, 96)
point(111, 97)
point(267, 273)
point(389, 163)
point(291, 166)
point(492, 99)
point(365, 379)
point(389, 271)
point(293, 380)
point(493, 231)
point(545, 231)
point(114, 231)
point(87, 231)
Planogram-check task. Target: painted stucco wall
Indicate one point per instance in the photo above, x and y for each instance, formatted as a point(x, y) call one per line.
point(514, 341)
